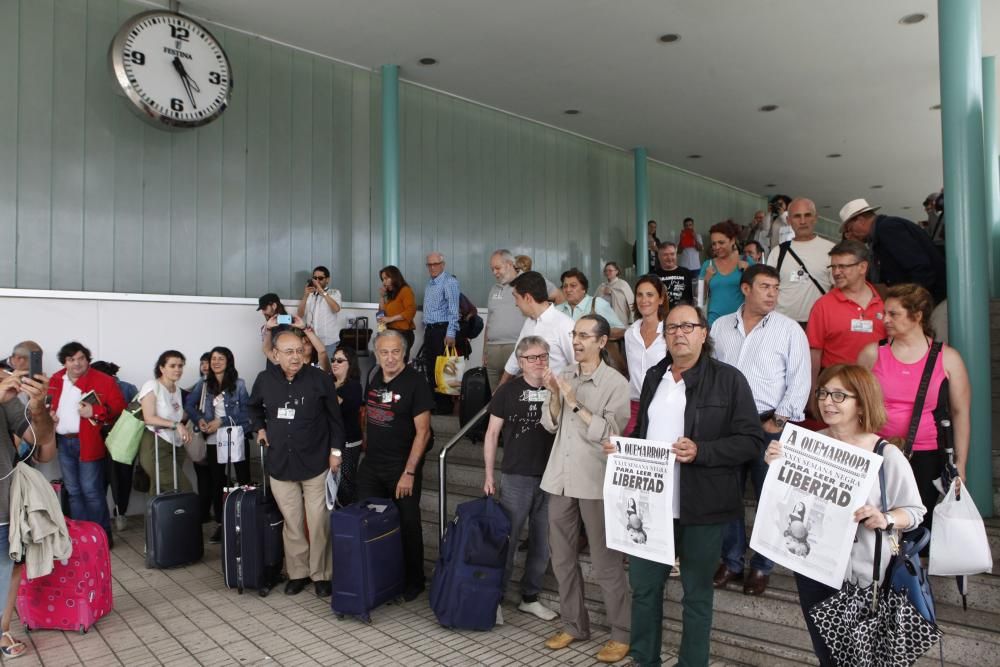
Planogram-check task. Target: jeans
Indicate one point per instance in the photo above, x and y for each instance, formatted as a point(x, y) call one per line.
point(6, 564)
point(734, 535)
point(84, 480)
point(522, 498)
point(811, 593)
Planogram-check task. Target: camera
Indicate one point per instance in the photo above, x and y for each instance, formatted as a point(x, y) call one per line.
point(284, 319)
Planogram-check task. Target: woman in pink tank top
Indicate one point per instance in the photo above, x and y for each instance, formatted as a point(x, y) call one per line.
point(899, 365)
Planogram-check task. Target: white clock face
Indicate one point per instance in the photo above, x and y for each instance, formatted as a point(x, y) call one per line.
point(172, 69)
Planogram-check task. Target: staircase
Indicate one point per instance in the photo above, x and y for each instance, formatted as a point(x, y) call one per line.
point(766, 630)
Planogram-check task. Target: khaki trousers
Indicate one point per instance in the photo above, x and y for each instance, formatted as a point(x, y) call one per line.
point(496, 355)
point(565, 515)
point(300, 502)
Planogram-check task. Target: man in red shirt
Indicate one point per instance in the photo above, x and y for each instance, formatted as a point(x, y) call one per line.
point(79, 419)
point(849, 316)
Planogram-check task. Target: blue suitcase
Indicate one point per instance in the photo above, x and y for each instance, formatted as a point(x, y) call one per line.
point(468, 576)
point(367, 557)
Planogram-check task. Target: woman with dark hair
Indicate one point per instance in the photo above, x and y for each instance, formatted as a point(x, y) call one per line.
point(617, 292)
point(347, 377)
point(722, 273)
point(899, 366)
point(218, 400)
point(163, 412)
point(851, 404)
point(398, 304)
point(645, 345)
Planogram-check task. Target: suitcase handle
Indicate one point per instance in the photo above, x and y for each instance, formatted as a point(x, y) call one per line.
point(156, 459)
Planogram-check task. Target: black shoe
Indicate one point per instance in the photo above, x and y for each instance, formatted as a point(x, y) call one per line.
point(216, 537)
point(411, 594)
point(264, 590)
point(295, 586)
point(323, 589)
point(111, 541)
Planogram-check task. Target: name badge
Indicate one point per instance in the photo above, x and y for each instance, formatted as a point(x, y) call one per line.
point(862, 326)
point(286, 413)
point(385, 396)
point(537, 396)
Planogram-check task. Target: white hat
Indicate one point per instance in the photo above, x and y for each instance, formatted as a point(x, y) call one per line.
point(856, 207)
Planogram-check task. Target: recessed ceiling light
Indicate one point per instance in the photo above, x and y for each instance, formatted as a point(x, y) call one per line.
point(912, 19)
point(428, 61)
point(694, 156)
point(669, 38)
point(771, 185)
point(571, 112)
point(906, 208)
point(768, 107)
point(825, 206)
point(876, 187)
point(936, 107)
point(834, 155)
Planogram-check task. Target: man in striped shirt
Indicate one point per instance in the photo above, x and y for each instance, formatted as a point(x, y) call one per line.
point(440, 320)
point(772, 352)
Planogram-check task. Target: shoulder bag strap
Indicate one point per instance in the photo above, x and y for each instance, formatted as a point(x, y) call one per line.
point(918, 403)
point(804, 268)
point(593, 305)
point(782, 251)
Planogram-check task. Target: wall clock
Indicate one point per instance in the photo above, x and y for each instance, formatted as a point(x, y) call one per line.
point(171, 69)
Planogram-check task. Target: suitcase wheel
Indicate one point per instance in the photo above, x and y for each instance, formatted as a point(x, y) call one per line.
point(83, 630)
point(27, 628)
point(340, 617)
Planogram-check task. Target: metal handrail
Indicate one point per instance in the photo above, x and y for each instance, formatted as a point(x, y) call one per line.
point(443, 466)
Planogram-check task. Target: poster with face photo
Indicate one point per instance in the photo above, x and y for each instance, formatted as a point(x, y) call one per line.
point(805, 516)
point(638, 499)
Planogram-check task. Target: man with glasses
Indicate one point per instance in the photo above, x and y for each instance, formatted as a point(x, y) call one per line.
point(294, 409)
point(398, 414)
point(319, 308)
point(542, 319)
point(516, 409)
point(587, 404)
point(706, 410)
point(801, 263)
point(772, 352)
point(849, 316)
point(440, 320)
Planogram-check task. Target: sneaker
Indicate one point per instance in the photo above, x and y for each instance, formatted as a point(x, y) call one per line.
point(121, 523)
point(612, 652)
point(536, 608)
point(216, 537)
point(499, 620)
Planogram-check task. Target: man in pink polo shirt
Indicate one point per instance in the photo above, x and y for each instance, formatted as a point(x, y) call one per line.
point(849, 316)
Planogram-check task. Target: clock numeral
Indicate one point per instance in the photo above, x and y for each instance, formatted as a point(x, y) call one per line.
point(176, 104)
point(180, 33)
point(138, 58)
point(214, 78)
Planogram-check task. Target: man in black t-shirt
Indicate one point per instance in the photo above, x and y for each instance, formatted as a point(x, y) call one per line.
point(398, 431)
point(516, 411)
point(676, 280)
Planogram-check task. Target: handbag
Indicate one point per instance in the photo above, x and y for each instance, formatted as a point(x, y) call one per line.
point(357, 336)
point(230, 446)
point(197, 446)
point(123, 440)
point(873, 626)
point(959, 545)
point(448, 371)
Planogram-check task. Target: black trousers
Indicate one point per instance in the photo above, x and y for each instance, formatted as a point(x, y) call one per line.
point(434, 335)
point(212, 478)
point(119, 477)
point(926, 467)
point(409, 335)
point(811, 593)
point(379, 481)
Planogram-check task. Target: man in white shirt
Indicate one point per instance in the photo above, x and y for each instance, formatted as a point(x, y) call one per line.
point(781, 231)
point(543, 320)
point(802, 263)
point(772, 352)
point(319, 308)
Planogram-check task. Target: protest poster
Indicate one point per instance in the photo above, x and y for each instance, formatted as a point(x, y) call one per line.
point(805, 516)
point(638, 499)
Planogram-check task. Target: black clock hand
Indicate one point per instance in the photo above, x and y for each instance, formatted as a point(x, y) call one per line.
point(186, 80)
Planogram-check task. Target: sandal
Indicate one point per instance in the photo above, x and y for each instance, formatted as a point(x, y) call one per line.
point(15, 648)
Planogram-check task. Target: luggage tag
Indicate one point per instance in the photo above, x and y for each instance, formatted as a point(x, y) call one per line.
point(286, 412)
point(862, 326)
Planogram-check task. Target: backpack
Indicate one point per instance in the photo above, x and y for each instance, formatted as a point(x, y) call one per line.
point(470, 324)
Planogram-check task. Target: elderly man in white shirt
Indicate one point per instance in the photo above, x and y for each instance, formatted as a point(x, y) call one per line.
point(772, 352)
point(532, 298)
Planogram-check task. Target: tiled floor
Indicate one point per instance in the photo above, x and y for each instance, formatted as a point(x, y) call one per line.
point(187, 616)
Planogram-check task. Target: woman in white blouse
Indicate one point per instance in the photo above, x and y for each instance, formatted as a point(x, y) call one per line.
point(163, 412)
point(645, 345)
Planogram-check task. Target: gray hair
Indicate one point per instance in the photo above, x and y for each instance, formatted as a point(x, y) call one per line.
point(506, 256)
point(25, 348)
point(391, 333)
point(439, 254)
point(531, 341)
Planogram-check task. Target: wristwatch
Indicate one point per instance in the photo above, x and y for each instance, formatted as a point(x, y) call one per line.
point(780, 421)
point(334, 451)
point(576, 408)
point(890, 524)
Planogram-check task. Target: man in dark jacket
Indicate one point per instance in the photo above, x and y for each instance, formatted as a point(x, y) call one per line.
point(706, 409)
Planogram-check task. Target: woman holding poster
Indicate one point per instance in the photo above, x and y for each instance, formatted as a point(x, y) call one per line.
point(850, 403)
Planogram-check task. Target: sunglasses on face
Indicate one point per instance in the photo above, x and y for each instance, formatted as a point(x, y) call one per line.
point(339, 360)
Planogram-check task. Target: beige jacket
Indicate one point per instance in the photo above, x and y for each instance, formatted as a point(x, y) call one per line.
point(37, 526)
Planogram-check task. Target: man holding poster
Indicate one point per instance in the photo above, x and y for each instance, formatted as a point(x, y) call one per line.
point(705, 410)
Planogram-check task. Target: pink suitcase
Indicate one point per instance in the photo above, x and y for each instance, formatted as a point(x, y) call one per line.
point(77, 592)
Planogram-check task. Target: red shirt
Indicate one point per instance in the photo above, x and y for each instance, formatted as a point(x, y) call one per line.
point(111, 405)
point(841, 328)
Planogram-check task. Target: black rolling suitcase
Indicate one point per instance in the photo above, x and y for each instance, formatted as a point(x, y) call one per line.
point(475, 396)
point(173, 523)
point(252, 546)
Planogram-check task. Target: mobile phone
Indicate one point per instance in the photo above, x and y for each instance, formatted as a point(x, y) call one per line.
point(34, 363)
point(284, 319)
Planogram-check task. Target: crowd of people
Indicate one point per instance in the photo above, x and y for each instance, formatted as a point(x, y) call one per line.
point(714, 354)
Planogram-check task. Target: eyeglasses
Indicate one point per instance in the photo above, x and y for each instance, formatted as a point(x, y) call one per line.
point(842, 267)
point(429, 264)
point(319, 277)
point(292, 353)
point(338, 360)
point(835, 396)
point(684, 327)
point(535, 358)
point(581, 335)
